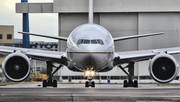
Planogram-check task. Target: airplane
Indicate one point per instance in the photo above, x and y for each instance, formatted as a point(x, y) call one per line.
point(90, 49)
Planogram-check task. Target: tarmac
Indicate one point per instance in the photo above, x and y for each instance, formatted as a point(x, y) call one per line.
point(78, 92)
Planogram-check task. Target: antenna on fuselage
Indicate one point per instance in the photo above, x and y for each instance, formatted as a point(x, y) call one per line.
point(91, 11)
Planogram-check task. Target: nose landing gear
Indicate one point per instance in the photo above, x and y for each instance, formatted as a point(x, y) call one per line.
point(90, 74)
point(90, 83)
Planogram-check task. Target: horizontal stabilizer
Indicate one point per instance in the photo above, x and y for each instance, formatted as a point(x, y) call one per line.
point(137, 36)
point(47, 36)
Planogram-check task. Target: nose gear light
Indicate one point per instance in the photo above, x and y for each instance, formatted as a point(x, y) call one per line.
point(89, 73)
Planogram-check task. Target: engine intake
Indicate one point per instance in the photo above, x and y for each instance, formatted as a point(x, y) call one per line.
point(16, 67)
point(163, 68)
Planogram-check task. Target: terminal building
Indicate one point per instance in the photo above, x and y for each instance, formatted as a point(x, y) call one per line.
point(120, 18)
point(6, 39)
point(42, 45)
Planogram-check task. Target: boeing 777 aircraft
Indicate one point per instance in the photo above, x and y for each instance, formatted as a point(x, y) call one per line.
point(90, 49)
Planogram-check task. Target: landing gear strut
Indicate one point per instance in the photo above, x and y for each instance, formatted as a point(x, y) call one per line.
point(49, 81)
point(90, 73)
point(129, 82)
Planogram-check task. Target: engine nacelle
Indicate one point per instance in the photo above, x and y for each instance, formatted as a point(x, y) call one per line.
point(163, 68)
point(16, 67)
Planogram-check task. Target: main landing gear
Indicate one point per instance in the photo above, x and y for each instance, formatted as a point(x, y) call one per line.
point(49, 81)
point(129, 82)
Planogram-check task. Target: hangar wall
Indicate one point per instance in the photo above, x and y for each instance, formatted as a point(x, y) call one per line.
point(169, 23)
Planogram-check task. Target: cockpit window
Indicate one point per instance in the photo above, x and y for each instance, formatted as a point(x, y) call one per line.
point(100, 41)
point(93, 41)
point(80, 41)
point(86, 41)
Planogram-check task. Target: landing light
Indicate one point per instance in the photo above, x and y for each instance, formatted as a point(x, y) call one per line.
point(92, 73)
point(89, 73)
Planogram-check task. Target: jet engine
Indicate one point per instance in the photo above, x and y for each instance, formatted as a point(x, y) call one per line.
point(16, 67)
point(163, 68)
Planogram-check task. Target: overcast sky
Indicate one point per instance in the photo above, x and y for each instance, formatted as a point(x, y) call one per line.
point(42, 23)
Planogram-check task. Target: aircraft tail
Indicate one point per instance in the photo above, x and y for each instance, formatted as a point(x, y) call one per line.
point(91, 11)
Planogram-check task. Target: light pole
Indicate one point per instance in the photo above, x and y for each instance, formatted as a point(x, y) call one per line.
point(26, 42)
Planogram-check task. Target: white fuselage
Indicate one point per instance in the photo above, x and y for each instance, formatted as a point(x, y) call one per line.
point(90, 46)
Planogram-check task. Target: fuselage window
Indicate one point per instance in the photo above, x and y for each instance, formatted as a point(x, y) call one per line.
point(100, 41)
point(86, 41)
point(93, 41)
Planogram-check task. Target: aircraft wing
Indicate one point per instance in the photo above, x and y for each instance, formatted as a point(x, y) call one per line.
point(136, 36)
point(47, 36)
point(35, 54)
point(136, 56)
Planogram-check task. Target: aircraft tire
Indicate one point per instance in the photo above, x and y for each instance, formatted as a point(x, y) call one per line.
point(135, 83)
point(93, 84)
point(86, 84)
point(125, 84)
point(44, 83)
point(54, 83)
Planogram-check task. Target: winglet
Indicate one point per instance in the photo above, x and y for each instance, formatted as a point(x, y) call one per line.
point(137, 36)
point(47, 36)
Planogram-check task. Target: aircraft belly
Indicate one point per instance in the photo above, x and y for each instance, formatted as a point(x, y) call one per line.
point(85, 60)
